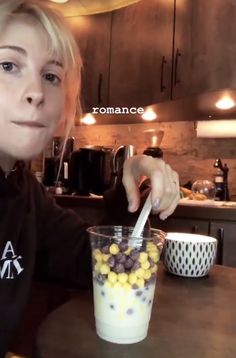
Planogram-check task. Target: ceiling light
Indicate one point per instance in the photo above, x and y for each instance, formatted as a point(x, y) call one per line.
point(59, 1)
point(149, 115)
point(88, 119)
point(225, 103)
point(225, 128)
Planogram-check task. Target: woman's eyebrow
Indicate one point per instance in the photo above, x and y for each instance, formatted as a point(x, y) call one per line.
point(14, 48)
point(54, 62)
point(23, 52)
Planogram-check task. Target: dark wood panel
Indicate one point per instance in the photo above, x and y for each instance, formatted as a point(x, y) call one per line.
point(213, 49)
point(181, 225)
point(225, 232)
point(92, 34)
point(141, 35)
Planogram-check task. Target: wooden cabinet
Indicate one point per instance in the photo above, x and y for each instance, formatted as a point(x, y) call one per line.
point(212, 53)
point(92, 34)
point(181, 68)
point(225, 232)
point(181, 225)
point(155, 50)
point(141, 53)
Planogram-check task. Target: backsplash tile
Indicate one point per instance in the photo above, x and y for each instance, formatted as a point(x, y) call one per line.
point(190, 156)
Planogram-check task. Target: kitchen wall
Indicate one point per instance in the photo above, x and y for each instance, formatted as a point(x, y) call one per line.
point(191, 157)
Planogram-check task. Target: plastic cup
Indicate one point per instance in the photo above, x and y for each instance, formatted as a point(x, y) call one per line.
point(124, 279)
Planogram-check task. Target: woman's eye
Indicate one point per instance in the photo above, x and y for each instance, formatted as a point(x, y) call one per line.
point(54, 79)
point(8, 66)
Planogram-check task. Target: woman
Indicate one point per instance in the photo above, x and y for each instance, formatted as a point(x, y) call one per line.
point(39, 88)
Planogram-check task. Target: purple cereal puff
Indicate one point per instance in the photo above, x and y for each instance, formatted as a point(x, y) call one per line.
point(101, 278)
point(128, 263)
point(123, 245)
point(105, 249)
point(120, 258)
point(134, 254)
point(136, 266)
point(111, 261)
point(119, 268)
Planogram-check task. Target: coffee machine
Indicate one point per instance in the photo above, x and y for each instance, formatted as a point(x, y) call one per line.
point(153, 139)
point(119, 155)
point(90, 171)
point(51, 163)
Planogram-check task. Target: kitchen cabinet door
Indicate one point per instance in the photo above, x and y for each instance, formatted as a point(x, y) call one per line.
point(141, 52)
point(182, 49)
point(92, 34)
point(225, 232)
point(181, 225)
point(213, 45)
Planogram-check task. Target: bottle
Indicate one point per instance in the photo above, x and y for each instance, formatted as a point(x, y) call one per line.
point(219, 184)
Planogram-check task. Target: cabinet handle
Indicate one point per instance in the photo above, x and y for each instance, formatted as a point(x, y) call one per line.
point(220, 246)
point(163, 62)
point(100, 78)
point(177, 55)
point(194, 229)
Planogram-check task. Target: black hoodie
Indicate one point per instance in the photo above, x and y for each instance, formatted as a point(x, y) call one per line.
point(31, 226)
point(36, 233)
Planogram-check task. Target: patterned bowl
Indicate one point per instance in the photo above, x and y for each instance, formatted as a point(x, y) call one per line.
point(189, 255)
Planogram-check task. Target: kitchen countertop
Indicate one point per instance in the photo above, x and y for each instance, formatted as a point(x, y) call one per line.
point(191, 318)
point(200, 211)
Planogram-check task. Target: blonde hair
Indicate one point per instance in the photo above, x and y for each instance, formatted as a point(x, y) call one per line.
point(62, 44)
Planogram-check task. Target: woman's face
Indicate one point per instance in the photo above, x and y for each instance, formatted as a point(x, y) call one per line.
point(32, 89)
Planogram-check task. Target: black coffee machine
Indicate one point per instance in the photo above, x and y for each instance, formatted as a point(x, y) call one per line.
point(153, 139)
point(52, 157)
point(90, 170)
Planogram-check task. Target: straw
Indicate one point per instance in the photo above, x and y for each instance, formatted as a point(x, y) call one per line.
point(142, 217)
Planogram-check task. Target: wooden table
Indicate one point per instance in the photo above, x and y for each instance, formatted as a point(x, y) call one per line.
point(192, 318)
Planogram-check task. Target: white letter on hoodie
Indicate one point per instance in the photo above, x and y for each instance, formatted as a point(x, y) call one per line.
point(8, 248)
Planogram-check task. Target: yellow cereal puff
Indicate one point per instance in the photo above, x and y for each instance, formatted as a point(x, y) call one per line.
point(98, 256)
point(104, 269)
point(145, 265)
point(143, 257)
point(117, 285)
point(127, 252)
point(151, 246)
point(105, 257)
point(127, 286)
point(147, 274)
point(153, 269)
point(114, 249)
point(155, 256)
point(140, 282)
point(112, 277)
point(132, 278)
point(97, 266)
point(108, 284)
point(122, 277)
point(140, 272)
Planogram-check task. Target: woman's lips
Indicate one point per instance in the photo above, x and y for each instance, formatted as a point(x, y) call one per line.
point(31, 124)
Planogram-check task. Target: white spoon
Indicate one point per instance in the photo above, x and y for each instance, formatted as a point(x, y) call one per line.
point(139, 226)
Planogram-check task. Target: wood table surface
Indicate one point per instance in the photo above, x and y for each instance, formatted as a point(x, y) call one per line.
point(191, 318)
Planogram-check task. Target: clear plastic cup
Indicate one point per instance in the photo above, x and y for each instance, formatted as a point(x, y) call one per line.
point(124, 278)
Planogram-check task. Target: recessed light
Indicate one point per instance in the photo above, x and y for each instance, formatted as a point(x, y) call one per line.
point(88, 119)
point(149, 115)
point(225, 103)
point(59, 1)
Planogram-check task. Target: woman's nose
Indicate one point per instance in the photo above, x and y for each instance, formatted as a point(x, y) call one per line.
point(34, 94)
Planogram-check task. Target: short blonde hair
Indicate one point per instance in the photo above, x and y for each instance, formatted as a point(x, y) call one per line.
point(61, 42)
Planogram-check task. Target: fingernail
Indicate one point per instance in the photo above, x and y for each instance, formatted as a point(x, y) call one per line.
point(163, 217)
point(132, 207)
point(156, 204)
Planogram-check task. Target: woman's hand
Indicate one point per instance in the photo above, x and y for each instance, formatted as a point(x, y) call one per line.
point(164, 183)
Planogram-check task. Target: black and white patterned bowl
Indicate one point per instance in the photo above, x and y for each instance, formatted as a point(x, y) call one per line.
point(189, 255)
